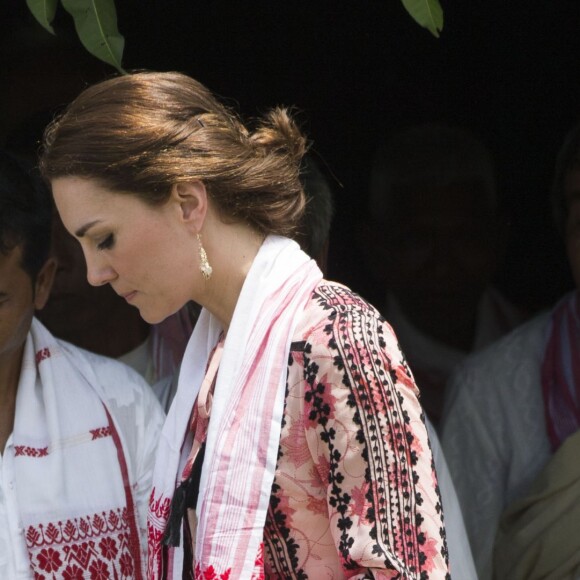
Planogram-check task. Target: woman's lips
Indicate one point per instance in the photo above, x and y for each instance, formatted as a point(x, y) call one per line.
point(130, 296)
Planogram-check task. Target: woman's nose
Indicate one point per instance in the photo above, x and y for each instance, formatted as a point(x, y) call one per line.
point(99, 272)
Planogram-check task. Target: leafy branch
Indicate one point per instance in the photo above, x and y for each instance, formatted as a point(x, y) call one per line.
point(96, 23)
point(427, 13)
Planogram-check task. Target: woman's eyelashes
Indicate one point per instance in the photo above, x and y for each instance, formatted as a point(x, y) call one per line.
point(107, 243)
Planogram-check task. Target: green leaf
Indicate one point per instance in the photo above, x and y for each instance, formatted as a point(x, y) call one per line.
point(43, 11)
point(96, 25)
point(427, 13)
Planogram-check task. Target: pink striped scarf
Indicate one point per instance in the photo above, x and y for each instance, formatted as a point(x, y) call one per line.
point(561, 371)
point(244, 430)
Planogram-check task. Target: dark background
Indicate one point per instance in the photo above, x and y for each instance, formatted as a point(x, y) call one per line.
point(356, 71)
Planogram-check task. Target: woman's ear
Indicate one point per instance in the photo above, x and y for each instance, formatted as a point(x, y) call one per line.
point(43, 283)
point(191, 201)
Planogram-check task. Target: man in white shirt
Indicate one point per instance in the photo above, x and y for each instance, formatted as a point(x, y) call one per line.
point(77, 431)
point(507, 414)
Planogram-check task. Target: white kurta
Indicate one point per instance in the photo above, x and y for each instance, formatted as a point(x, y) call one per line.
point(461, 563)
point(431, 358)
point(493, 431)
point(14, 562)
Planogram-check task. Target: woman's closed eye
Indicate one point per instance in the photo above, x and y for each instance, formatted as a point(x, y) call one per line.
point(107, 243)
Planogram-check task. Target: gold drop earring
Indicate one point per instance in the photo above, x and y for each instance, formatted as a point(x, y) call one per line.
point(204, 265)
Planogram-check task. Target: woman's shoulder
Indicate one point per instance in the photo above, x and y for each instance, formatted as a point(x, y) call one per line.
point(335, 315)
point(331, 300)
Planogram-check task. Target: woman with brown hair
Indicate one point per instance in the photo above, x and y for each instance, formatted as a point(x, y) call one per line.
point(295, 446)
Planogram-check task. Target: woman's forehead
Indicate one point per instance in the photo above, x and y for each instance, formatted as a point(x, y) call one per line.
point(80, 199)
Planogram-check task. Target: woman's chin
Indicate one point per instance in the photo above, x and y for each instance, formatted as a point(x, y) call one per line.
point(152, 317)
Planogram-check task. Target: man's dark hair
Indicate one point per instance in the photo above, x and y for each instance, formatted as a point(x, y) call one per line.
point(317, 218)
point(25, 214)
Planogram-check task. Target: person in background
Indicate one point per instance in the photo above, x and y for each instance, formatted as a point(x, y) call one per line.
point(77, 431)
point(432, 240)
point(295, 445)
point(510, 424)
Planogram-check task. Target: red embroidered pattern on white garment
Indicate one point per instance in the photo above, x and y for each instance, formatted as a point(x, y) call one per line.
point(156, 522)
point(20, 450)
point(97, 546)
point(101, 432)
point(210, 572)
point(25, 450)
point(42, 354)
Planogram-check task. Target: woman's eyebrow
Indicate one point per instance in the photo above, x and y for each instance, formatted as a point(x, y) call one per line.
point(84, 229)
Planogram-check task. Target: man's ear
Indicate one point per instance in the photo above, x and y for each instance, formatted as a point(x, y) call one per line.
point(191, 202)
point(43, 283)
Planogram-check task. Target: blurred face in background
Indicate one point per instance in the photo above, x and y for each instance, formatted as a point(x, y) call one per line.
point(437, 246)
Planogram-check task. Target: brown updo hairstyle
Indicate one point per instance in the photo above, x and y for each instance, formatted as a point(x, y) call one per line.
point(144, 132)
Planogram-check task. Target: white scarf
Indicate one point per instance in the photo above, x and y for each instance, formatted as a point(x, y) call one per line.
point(244, 429)
point(72, 481)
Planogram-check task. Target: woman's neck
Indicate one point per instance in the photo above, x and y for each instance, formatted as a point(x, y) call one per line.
point(231, 249)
